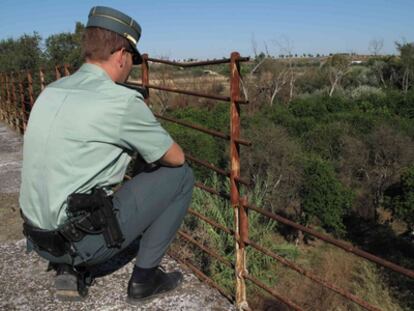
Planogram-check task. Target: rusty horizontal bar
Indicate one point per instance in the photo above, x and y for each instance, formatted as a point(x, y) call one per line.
point(202, 276)
point(212, 191)
point(186, 92)
point(346, 247)
point(216, 169)
point(272, 292)
point(195, 64)
point(211, 222)
point(312, 276)
point(202, 129)
point(206, 249)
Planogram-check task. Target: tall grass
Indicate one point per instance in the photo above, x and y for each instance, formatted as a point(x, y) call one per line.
point(261, 230)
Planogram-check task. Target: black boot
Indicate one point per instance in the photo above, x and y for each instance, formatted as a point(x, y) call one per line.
point(160, 283)
point(70, 285)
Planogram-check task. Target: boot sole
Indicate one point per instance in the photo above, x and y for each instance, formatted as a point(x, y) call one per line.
point(69, 295)
point(67, 288)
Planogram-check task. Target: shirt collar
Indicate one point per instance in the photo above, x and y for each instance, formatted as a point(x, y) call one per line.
point(95, 70)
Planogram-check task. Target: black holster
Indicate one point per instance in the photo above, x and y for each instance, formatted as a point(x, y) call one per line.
point(93, 214)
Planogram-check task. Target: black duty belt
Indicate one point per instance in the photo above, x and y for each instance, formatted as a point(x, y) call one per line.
point(88, 214)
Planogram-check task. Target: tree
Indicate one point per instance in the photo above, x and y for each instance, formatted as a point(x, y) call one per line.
point(23, 53)
point(337, 66)
point(375, 46)
point(286, 46)
point(407, 60)
point(324, 197)
point(65, 47)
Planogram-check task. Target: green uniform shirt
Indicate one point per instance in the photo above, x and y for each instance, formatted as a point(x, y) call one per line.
point(80, 135)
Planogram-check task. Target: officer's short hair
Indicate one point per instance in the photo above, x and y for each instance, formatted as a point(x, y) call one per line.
point(98, 43)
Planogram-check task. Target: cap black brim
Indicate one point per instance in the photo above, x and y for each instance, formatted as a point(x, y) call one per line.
point(136, 57)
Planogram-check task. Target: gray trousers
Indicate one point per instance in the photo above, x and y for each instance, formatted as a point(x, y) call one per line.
point(151, 206)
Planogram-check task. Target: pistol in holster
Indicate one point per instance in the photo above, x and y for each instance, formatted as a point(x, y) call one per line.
point(93, 213)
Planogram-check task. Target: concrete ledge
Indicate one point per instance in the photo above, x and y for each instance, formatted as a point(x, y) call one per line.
point(26, 285)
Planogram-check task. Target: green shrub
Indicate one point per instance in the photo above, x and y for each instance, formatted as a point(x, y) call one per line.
point(324, 197)
point(326, 140)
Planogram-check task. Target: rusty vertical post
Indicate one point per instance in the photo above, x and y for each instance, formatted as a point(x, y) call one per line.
point(57, 72)
point(145, 73)
point(7, 105)
point(23, 117)
point(30, 88)
point(42, 79)
point(3, 96)
point(243, 221)
point(14, 102)
point(66, 70)
point(241, 300)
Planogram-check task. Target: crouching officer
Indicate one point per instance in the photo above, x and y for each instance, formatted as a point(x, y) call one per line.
point(79, 140)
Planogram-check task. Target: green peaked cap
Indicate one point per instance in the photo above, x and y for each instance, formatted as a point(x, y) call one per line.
point(116, 21)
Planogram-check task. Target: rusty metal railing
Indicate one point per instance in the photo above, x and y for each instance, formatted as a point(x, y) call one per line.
point(17, 98)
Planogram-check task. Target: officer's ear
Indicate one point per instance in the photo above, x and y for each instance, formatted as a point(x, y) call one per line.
point(119, 57)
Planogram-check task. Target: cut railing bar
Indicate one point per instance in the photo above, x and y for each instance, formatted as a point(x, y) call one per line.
point(313, 277)
point(272, 292)
point(216, 169)
point(202, 276)
point(346, 247)
point(202, 129)
point(212, 191)
point(186, 92)
point(195, 64)
point(209, 251)
point(211, 222)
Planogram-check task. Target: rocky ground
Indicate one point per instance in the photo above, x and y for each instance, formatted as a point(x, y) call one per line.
point(26, 285)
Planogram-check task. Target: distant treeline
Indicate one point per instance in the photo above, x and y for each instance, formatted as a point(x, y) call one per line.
point(29, 52)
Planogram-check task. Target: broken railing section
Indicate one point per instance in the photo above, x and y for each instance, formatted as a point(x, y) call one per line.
point(19, 90)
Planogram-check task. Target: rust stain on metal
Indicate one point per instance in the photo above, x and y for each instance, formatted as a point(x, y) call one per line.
point(145, 73)
point(213, 191)
point(22, 103)
point(211, 222)
point(14, 120)
point(202, 129)
point(30, 88)
point(216, 169)
point(66, 70)
point(42, 79)
point(243, 220)
point(241, 299)
point(196, 64)
point(206, 249)
point(57, 72)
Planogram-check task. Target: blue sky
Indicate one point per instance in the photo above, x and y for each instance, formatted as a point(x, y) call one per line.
point(208, 29)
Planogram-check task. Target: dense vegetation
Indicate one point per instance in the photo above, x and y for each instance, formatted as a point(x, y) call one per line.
point(336, 154)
